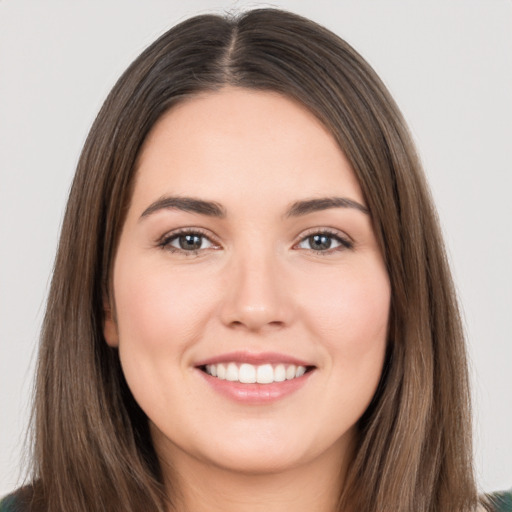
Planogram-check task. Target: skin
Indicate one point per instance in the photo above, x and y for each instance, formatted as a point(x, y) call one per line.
point(255, 285)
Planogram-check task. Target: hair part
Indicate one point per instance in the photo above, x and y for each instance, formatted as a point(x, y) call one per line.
point(92, 445)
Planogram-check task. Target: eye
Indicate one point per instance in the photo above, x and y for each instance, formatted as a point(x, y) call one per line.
point(324, 242)
point(187, 242)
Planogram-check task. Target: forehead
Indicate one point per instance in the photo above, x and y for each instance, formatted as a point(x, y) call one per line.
point(237, 143)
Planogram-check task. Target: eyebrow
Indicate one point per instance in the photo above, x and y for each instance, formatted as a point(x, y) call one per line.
point(186, 204)
point(315, 205)
point(213, 209)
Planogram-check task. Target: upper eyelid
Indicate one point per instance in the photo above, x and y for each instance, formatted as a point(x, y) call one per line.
point(166, 240)
point(214, 239)
point(187, 230)
point(346, 242)
point(324, 230)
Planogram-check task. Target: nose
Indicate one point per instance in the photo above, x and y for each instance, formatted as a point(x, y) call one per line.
point(258, 294)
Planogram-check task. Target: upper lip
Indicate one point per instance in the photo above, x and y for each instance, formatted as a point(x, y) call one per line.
point(254, 359)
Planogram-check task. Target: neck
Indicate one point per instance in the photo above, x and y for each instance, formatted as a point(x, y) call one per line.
point(202, 487)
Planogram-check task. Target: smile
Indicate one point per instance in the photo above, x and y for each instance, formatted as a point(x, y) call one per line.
point(251, 378)
point(249, 374)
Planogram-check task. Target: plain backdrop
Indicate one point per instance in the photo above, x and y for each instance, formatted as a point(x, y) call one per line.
point(447, 62)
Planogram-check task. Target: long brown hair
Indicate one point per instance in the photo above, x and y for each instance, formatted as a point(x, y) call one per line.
point(92, 447)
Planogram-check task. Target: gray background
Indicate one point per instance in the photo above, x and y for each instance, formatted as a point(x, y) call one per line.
point(447, 62)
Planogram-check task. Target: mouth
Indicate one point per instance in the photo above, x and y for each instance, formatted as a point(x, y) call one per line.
point(255, 378)
point(247, 373)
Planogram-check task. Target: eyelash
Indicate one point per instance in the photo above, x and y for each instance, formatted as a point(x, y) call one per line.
point(166, 240)
point(345, 242)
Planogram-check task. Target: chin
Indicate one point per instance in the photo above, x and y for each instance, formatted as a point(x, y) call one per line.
point(261, 450)
point(253, 460)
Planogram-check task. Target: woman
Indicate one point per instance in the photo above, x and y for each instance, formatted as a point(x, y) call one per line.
point(251, 307)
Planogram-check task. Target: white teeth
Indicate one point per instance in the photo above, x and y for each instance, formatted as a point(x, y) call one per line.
point(279, 373)
point(232, 372)
point(221, 371)
point(249, 374)
point(290, 372)
point(265, 374)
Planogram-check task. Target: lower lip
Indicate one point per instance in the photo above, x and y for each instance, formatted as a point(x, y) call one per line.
point(256, 393)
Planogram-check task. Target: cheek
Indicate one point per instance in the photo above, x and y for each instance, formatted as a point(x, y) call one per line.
point(348, 321)
point(350, 315)
point(160, 315)
point(160, 310)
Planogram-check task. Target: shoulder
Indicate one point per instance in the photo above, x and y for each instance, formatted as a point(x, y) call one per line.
point(19, 501)
point(501, 501)
point(9, 504)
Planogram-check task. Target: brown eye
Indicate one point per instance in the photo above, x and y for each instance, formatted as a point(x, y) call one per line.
point(324, 243)
point(190, 242)
point(319, 242)
point(187, 242)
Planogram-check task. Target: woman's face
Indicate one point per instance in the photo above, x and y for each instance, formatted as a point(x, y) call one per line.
point(248, 258)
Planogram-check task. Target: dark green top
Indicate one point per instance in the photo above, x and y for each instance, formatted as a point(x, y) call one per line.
point(8, 504)
point(501, 500)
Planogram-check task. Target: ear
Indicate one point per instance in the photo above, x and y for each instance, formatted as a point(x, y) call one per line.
point(110, 332)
